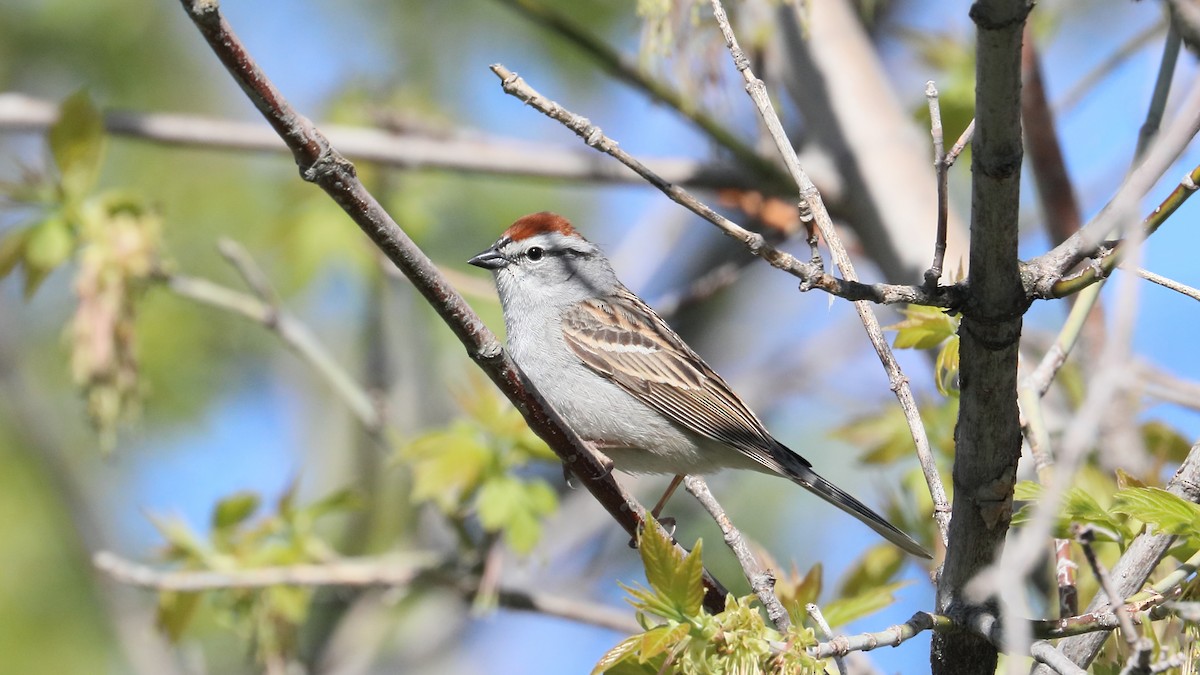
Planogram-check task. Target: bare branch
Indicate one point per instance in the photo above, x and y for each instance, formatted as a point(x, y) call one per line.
point(1044, 652)
point(762, 582)
point(960, 144)
point(464, 151)
point(1167, 283)
point(293, 333)
point(814, 612)
point(893, 636)
point(811, 277)
point(943, 188)
point(384, 571)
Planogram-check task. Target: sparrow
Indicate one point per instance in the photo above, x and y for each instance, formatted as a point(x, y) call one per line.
point(622, 379)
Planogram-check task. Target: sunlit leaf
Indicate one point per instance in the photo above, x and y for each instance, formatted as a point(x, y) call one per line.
point(868, 601)
point(77, 144)
point(235, 509)
point(658, 640)
point(878, 566)
point(660, 559)
point(923, 327)
point(447, 465)
point(46, 246)
point(946, 368)
point(624, 649)
point(175, 612)
point(515, 507)
point(1172, 514)
point(1163, 441)
point(12, 249)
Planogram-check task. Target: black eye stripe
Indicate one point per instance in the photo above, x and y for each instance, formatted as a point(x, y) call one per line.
point(536, 253)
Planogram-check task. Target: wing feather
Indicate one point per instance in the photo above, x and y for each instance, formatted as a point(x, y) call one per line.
point(624, 340)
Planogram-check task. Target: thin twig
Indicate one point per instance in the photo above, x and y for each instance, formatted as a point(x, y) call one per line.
point(943, 188)
point(893, 636)
point(1103, 69)
point(397, 570)
point(1064, 575)
point(382, 571)
point(321, 164)
point(1044, 652)
point(1044, 275)
point(254, 276)
point(814, 612)
point(762, 582)
point(811, 276)
point(1162, 89)
point(813, 206)
point(294, 334)
point(1139, 647)
point(1166, 283)
point(960, 144)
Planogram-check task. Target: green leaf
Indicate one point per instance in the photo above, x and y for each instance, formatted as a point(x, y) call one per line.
point(182, 542)
point(12, 249)
point(1028, 491)
point(625, 649)
point(1161, 441)
point(844, 610)
point(688, 587)
point(447, 466)
point(77, 144)
point(175, 612)
point(339, 501)
point(946, 368)
point(1172, 514)
point(657, 640)
point(878, 566)
point(507, 504)
point(923, 328)
point(235, 509)
point(1081, 506)
point(47, 245)
point(660, 558)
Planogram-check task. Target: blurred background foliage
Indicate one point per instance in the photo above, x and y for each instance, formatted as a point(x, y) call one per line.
point(135, 420)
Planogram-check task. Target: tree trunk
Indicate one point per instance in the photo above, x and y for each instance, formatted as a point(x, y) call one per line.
point(988, 435)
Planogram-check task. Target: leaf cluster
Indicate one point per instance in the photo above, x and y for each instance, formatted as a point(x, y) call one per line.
point(470, 467)
point(682, 637)
point(270, 617)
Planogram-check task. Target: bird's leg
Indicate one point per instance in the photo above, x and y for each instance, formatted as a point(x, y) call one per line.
point(662, 501)
point(668, 523)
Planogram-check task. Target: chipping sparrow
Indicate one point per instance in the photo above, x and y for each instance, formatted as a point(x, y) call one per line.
point(622, 379)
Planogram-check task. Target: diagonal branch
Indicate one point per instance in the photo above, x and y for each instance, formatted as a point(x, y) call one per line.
point(321, 164)
point(810, 275)
point(762, 582)
point(812, 207)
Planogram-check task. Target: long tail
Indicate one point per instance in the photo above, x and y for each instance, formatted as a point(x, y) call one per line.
point(841, 499)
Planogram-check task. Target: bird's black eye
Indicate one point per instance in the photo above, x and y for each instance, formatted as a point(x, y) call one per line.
point(535, 254)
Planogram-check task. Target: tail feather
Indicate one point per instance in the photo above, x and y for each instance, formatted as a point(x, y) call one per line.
point(841, 499)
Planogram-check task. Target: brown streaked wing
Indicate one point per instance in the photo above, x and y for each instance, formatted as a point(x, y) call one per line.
point(623, 339)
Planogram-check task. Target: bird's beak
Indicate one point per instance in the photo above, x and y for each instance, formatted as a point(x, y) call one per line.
point(490, 259)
